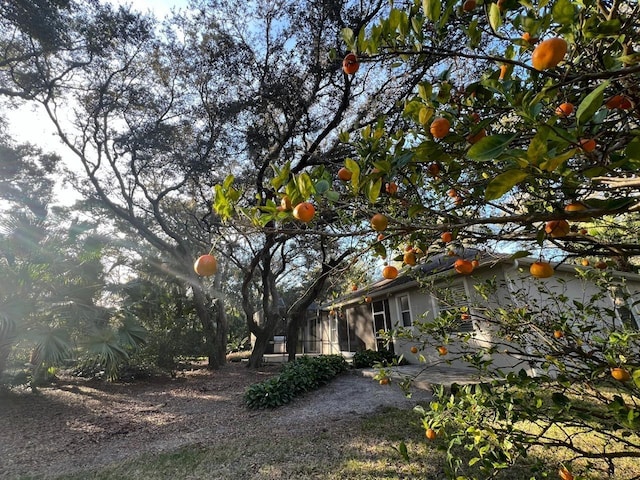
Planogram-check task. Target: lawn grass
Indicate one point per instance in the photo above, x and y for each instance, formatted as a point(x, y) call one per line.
point(362, 449)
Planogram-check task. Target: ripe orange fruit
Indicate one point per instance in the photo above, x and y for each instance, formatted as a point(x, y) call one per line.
point(391, 188)
point(458, 200)
point(431, 434)
point(587, 144)
point(475, 263)
point(442, 350)
point(205, 265)
point(440, 127)
point(503, 71)
point(548, 53)
point(304, 212)
point(350, 64)
point(565, 474)
point(557, 228)
point(414, 349)
point(446, 237)
point(575, 207)
point(584, 262)
point(344, 174)
point(564, 109)
point(384, 381)
point(541, 269)
point(452, 193)
point(475, 138)
point(462, 266)
point(526, 36)
point(469, 5)
point(621, 374)
point(558, 334)
point(465, 317)
point(389, 272)
point(618, 101)
point(409, 258)
point(433, 169)
point(285, 203)
point(379, 222)
point(368, 299)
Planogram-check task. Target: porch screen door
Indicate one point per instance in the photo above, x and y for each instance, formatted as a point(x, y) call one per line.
point(381, 323)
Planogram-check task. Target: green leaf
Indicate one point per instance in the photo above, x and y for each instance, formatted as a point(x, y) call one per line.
point(564, 12)
point(520, 254)
point(281, 175)
point(373, 190)
point(415, 209)
point(332, 195)
point(402, 449)
point(432, 9)
point(322, 186)
point(538, 146)
point(609, 27)
point(560, 398)
point(490, 147)
point(503, 183)
point(636, 377)
point(424, 90)
point(395, 17)
point(591, 103)
point(228, 182)
point(348, 37)
point(305, 185)
point(553, 163)
point(354, 168)
point(425, 115)
point(495, 18)
point(632, 152)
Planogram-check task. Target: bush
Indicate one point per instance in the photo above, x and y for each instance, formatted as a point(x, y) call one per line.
point(372, 358)
point(303, 375)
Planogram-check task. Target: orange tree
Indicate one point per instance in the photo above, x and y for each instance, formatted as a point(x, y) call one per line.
point(496, 159)
point(534, 120)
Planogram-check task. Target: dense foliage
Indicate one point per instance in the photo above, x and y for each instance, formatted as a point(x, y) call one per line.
point(303, 375)
point(524, 136)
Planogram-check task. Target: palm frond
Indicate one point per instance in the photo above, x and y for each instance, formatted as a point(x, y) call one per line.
point(52, 348)
point(131, 333)
point(104, 347)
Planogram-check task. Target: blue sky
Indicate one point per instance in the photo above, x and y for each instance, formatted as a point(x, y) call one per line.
point(159, 7)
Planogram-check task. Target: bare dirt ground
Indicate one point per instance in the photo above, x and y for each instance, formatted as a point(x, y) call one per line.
point(78, 424)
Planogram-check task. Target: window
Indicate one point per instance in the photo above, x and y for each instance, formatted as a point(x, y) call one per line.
point(405, 311)
point(624, 307)
point(452, 298)
point(381, 323)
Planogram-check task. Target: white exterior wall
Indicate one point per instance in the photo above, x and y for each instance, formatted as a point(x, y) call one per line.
point(509, 278)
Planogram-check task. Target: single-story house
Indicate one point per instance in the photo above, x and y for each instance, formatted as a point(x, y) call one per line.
point(356, 321)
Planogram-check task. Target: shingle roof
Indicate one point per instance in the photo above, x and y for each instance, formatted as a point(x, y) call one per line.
point(433, 265)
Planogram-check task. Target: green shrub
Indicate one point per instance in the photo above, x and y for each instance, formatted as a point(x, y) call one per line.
point(303, 375)
point(371, 358)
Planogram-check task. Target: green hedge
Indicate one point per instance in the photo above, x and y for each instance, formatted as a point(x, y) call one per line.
point(372, 358)
point(303, 375)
